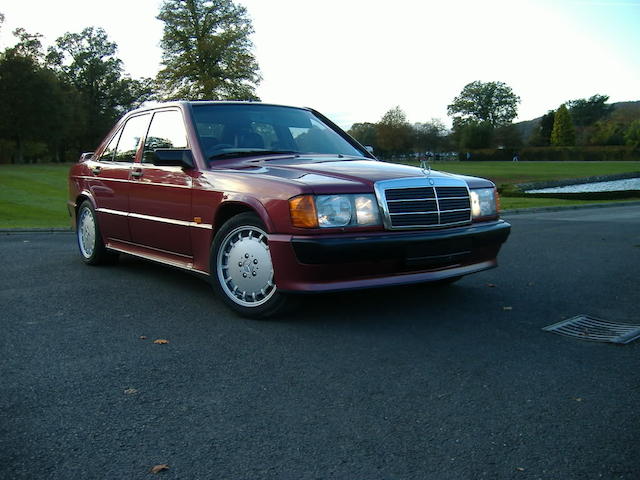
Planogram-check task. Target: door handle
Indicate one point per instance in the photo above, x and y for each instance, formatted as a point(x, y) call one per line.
point(96, 170)
point(137, 173)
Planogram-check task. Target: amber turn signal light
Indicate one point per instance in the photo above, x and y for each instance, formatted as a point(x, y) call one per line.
point(303, 212)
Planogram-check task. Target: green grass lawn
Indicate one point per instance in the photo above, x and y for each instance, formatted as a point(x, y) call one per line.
point(36, 195)
point(33, 196)
point(524, 172)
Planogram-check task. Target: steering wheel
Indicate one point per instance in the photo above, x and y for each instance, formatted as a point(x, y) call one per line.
point(217, 148)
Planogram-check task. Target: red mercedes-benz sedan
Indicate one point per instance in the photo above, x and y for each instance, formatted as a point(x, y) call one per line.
point(270, 200)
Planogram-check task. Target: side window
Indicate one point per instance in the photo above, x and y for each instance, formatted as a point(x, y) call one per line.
point(107, 154)
point(166, 131)
point(132, 133)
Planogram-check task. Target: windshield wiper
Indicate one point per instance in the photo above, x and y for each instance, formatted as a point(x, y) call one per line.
point(250, 153)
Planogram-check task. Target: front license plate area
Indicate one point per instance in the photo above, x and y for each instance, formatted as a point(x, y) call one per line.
point(438, 254)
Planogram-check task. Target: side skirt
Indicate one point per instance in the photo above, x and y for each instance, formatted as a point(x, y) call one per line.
point(183, 262)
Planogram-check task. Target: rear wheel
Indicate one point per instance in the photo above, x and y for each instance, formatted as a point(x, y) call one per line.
point(90, 244)
point(241, 268)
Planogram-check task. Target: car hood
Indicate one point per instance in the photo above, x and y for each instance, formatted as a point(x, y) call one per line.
point(338, 174)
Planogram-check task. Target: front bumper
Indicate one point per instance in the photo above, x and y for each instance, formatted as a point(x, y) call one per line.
point(352, 261)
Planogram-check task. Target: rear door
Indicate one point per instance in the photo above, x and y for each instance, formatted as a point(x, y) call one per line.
point(160, 197)
point(110, 179)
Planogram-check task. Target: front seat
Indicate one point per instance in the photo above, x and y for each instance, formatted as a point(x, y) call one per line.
point(248, 139)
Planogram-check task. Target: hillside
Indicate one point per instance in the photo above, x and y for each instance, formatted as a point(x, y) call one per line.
point(622, 111)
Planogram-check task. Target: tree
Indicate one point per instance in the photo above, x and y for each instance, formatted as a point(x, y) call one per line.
point(471, 134)
point(366, 133)
point(30, 95)
point(563, 133)
point(87, 61)
point(607, 133)
point(632, 135)
point(585, 112)
point(394, 132)
point(541, 136)
point(429, 136)
point(493, 103)
point(507, 136)
point(29, 45)
point(207, 51)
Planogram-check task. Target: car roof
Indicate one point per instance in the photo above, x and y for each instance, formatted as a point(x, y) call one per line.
point(147, 106)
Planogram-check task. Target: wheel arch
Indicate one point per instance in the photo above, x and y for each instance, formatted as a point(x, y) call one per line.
point(233, 207)
point(81, 197)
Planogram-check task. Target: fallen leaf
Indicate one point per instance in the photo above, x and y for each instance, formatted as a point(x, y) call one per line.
point(159, 468)
point(130, 391)
point(520, 469)
point(142, 337)
point(507, 308)
point(161, 341)
point(578, 399)
point(491, 285)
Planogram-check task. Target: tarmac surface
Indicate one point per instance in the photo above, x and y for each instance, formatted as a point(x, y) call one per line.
point(415, 382)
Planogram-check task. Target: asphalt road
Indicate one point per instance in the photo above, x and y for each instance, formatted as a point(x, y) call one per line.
point(404, 383)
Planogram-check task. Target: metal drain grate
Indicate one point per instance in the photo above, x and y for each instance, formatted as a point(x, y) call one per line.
point(596, 329)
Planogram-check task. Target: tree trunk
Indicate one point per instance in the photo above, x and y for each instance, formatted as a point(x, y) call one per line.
point(19, 150)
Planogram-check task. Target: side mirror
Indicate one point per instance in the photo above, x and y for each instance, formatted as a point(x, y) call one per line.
point(368, 148)
point(85, 156)
point(173, 157)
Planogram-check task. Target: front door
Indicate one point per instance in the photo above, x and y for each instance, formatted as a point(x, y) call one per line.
point(160, 197)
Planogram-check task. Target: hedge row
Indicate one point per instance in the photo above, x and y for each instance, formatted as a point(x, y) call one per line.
point(555, 154)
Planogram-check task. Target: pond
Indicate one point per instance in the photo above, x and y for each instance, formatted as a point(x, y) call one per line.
point(610, 186)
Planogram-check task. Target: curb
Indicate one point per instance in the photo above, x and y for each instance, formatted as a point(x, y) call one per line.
point(9, 231)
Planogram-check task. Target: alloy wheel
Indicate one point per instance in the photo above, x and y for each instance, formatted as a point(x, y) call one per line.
point(244, 267)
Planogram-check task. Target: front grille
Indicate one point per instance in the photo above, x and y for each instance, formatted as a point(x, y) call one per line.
point(425, 206)
point(413, 206)
point(452, 192)
point(409, 193)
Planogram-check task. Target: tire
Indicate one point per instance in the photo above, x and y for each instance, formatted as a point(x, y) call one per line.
point(90, 244)
point(241, 268)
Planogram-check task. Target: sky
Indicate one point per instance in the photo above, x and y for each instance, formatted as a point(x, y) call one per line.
point(354, 60)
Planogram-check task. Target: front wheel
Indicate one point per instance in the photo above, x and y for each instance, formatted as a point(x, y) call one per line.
point(241, 268)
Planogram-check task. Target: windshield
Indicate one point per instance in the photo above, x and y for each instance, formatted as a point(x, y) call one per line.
point(235, 130)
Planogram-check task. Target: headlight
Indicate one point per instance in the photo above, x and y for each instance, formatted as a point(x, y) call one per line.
point(331, 211)
point(483, 202)
point(367, 211)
